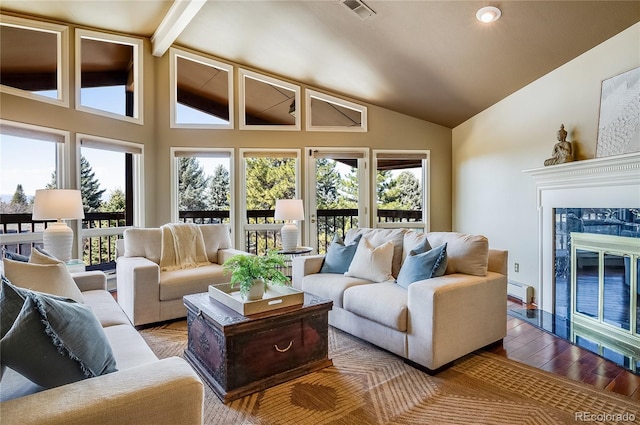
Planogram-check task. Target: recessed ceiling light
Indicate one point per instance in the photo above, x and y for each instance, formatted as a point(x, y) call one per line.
point(488, 14)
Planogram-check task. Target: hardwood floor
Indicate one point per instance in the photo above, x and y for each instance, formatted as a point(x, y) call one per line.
point(527, 344)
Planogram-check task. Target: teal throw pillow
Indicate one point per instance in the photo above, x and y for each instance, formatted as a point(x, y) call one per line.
point(421, 266)
point(339, 255)
point(54, 342)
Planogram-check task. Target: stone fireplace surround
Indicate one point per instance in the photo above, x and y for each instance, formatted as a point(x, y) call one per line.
point(610, 182)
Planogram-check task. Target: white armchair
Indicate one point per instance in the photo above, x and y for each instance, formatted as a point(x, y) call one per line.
point(149, 295)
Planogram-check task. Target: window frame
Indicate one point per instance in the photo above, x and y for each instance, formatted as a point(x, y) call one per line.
point(173, 78)
point(175, 214)
point(243, 74)
point(424, 225)
point(62, 58)
point(309, 94)
point(138, 81)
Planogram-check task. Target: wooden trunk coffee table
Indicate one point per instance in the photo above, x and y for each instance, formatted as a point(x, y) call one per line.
point(239, 355)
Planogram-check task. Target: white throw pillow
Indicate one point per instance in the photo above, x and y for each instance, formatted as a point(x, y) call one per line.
point(52, 279)
point(372, 263)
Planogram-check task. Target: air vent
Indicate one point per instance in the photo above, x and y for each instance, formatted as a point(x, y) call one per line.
point(359, 8)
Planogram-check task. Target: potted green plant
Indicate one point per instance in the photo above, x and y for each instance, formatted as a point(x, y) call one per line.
point(252, 273)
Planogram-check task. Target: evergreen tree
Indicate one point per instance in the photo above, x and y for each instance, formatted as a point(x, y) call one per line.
point(327, 183)
point(267, 180)
point(19, 203)
point(387, 190)
point(219, 189)
point(53, 184)
point(349, 190)
point(192, 183)
point(410, 191)
point(90, 187)
point(116, 202)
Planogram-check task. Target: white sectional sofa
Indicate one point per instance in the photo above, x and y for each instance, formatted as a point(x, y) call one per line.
point(432, 322)
point(149, 295)
point(143, 390)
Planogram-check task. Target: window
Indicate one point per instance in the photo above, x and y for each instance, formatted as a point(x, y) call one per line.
point(328, 113)
point(34, 60)
point(268, 175)
point(267, 103)
point(31, 158)
point(201, 92)
point(109, 75)
point(110, 178)
point(402, 189)
point(202, 185)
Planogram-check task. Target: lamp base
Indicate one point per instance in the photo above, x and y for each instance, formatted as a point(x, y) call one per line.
point(289, 235)
point(58, 240)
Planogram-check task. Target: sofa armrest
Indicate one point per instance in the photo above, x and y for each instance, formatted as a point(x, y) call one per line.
point(90, 281)
point(304, 265)
point(138, 282)
point(163, 392)
point(225, 254)
point(498, 261)
point(453, 315)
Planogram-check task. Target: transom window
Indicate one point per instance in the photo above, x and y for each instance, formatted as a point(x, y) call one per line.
point(34, 60)
point(267, 103)
point(109, 75)
point(329, 113)
point(201, 92)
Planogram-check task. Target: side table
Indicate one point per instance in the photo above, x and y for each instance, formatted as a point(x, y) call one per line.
point(289, 254)
point(75, 266)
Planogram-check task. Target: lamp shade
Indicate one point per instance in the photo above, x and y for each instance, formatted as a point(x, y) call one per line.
point(289, 209)
point(57, 204)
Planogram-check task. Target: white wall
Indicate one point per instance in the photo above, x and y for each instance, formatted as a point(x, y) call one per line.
point(491, 195)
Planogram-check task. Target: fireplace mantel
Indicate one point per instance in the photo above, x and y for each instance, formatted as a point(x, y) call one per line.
point(609, 182)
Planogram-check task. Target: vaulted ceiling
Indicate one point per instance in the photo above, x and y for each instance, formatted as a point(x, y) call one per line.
point(428, 59)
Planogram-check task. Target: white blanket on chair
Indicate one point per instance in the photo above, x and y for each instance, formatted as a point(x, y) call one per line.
point(182, 247)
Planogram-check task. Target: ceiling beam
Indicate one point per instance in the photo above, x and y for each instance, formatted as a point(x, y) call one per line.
point(173, 23)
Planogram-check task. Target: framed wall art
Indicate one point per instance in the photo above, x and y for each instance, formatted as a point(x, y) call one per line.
point(619, 125)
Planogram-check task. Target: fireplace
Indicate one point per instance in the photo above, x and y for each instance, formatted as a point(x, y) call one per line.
point(591, 199)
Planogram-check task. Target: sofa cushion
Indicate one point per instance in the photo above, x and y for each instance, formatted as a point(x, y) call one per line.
point(468, 254)
point(372, 263)
point(177, 283)
point(330, 285)
point(423, 265)
point(105, 307)
point(339, 256)
point(145, 243)
point(216, 237)
point(54, 342)
point(378, 237)
point(52, 279)
point(384, 303)
point(129, 347)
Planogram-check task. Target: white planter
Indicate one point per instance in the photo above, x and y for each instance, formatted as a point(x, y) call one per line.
point(257, 290)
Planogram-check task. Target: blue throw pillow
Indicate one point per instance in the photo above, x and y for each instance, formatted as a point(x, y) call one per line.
point(54, 342)
point(15, 256)
point(425, 265)
point(339, 255)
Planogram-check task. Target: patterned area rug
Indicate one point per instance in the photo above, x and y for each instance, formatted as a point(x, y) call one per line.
point(367, 385)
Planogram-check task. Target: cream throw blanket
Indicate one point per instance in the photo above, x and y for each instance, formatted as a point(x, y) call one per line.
point(182, 247)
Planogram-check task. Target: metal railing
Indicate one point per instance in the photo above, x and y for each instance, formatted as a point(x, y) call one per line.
point(101, 230)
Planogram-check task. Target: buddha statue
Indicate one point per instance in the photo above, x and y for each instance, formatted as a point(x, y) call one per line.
point(562, 151)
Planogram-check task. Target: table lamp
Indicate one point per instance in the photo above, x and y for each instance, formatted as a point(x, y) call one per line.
point(289, 210)
point(58, 204)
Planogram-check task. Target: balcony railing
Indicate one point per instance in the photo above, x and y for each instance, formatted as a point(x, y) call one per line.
point(100, 231)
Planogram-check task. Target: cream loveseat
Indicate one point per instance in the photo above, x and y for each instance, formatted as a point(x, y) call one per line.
point(143, 390)
point(146, 293)
point(432, 322)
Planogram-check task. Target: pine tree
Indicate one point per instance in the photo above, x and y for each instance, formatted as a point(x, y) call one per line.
point(410, 191)
point(90, 187)
point(269, 179)
point(219, 189)
point(387, 190)
point(116, 202)
point(327, 183)
point(53, 184)
point(19, 203)
point(192, 183)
